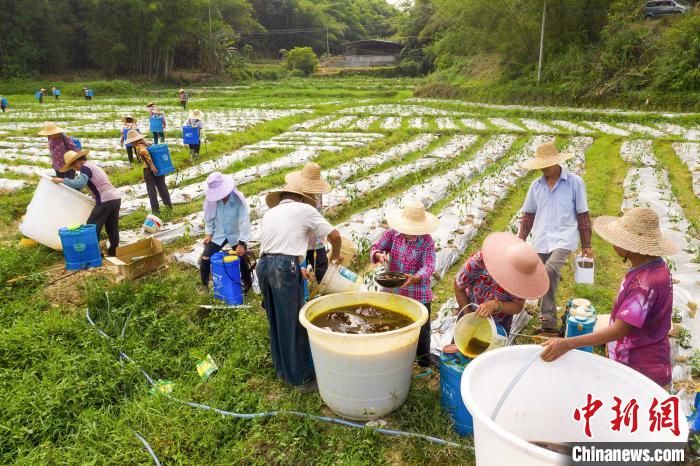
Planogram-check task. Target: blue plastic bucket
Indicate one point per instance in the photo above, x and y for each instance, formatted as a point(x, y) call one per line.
point(576, 327)
point(81, 248)
point(451, 369)
point(160, 154)
point(77, 143)
point(37, 95)
point(226, 276)
point(155, 124)
point(56, 92)
point(124, 133)
point(190, 135)
point(90, 93)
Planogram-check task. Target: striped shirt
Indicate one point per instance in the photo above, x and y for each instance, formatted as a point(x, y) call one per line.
point(97, 182)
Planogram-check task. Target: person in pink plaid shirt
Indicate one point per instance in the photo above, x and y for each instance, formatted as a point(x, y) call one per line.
point(408, 248)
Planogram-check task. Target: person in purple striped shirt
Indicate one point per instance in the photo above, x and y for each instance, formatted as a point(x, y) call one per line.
point(107, 199)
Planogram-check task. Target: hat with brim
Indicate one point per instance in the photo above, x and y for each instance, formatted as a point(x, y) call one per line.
point(412, 219)
point(546, 155)
point(219, 186)
point(50, 129)
point(133, 120)
point(181, 90)
point(310, 178)
point(515, 266)
point(196, 114)
point(273, 198)
point(157, 111)
point(132, 136)
point(150, 104)
point(636, 231)
point(70, 157)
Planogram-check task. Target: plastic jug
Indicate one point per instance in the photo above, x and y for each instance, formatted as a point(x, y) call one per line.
point(152, 224)
point(475, 335)
point(452, 365)
point(81, 248)
point(584, 269)
point(190, 135)
point(160, 154)
point(226, 277)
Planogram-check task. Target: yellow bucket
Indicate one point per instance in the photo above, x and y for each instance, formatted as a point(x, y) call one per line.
point(475, 335)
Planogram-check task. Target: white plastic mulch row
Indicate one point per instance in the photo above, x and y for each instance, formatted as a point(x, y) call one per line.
point(537, 126)
point(689, 153)
point(576, 128)
point(638, 152)
point(607, 129)
point(690, 134)
point(502, 123)
point(646, 130)
point(9, 185)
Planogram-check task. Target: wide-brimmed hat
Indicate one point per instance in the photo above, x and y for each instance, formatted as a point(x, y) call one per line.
point(197, 114)
point(133, 120)
point(310, 178)
point(546, 155)
point(132, 136)
point(157, 111)
point(412, 219)
point(50, 129)
point(637, 231)
point(181, 90)
point(70, 157)
point(150, 104)
point(219, 186)
point(273, 198)
point(515, 265)
point(42, 90)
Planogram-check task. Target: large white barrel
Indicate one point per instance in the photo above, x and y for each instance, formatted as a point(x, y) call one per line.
point(541, 406)
point(54, 206)
point(364, 377)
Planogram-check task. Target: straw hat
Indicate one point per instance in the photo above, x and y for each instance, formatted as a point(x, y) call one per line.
point(50, 129)
point(273, 198)
point(181, 90)
point(196, 114)
point(132, 136)
point(133, 120)
point(515, 265)
point(412, 219)
point(219, 186)
point(546, 155)
point(637, 231)
point(310, 178)
point(150, 104)
point(70, 157)
point(157, 111)
point(42, 90)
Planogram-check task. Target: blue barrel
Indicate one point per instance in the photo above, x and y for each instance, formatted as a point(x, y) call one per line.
point(3, 102)
point(156, 124)
point(226, 276)
point(576, 326)
point(81, 248)
point(56, 92)
point(190, 135)
point(77, 143)
point(452, 367)
point(90, 93)
point(37, 95)
point(160, 154)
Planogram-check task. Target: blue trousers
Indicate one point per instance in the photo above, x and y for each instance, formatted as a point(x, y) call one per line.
point(280, 282)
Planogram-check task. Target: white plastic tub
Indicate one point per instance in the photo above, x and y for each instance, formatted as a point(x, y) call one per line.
point(541, 405)
point(54, 206)
point(364, 377)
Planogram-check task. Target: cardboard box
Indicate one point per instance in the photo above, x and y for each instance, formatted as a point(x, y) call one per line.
point(148, 254)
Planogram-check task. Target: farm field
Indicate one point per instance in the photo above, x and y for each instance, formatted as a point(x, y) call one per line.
point(79, 352)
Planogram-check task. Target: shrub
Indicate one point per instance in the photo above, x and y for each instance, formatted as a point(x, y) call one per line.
point(302, 59)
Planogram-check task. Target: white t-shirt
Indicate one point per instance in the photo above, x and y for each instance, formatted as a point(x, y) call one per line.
point(286, 228)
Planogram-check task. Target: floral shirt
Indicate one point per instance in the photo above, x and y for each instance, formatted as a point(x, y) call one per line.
point(143, 155)
point(58, 147)
point(475, 279)
point(416, 257)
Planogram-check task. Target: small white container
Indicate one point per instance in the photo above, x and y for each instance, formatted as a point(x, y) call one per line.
point(338, 279)
point(584, 268)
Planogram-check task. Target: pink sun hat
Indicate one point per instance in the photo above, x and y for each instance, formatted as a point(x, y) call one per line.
point(219, 186)
point(515, 265)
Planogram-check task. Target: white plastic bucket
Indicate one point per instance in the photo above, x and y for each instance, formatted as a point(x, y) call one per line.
point(152, 224)
point(348, 249)
point(541, 405)
point(54, 206)
point(470, 326)
point(338, 279)
point(584, 269)
point(364, 377)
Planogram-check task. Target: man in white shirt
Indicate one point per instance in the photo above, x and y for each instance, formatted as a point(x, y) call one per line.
point(284, 239)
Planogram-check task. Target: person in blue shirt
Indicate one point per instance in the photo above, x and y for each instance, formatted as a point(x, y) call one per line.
point(3, 103)
point(227, 221)
point(556, 212)
point(56, 93)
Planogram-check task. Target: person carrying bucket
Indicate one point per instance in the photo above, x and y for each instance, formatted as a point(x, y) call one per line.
point(182, 98)
point(153, 183)
point(499, 278)
point(107, 199)
point(128, 123)
point(556, 211)
point(227, 221)
point(195, 121)
point(59, 144)
point(56, 93)
point(407, 247)
point(40, 95)
point(157, 125)
point(3, 103)
point(87, 93)
point(315, 187)
point(284, 239)
point(641, 316)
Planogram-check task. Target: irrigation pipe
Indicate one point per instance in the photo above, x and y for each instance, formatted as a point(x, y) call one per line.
point(331, 420)
point(513, 382)
point(156, 461)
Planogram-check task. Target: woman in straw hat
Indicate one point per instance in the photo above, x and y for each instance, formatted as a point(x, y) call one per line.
point(227, 221)
point(195, 121)
point(59, 144)
point(641, 317)
point(315, 187)
point(107, 199)
point(408, 248)
point(128, 123)
point(556, 212)
point(153, 182)
point(499, 278)
point(284, 239)
point(182, 98)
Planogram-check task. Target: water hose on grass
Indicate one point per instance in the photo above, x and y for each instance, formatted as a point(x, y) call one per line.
point(156, 461)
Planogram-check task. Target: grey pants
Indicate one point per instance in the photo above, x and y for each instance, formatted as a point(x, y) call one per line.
point(553, 262)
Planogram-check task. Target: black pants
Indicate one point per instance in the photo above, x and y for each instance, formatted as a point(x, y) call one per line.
point(88, 97)
point(423, 349)
point(56, 96)
point(205, 264)
point(184, 105)
point(106, 215)
point(130, 153)
point(2, 108)
point(157, 135)
point(68, 174)
point(41, 100)
point(194, 148)
point(156, 183)
point(318, 259)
